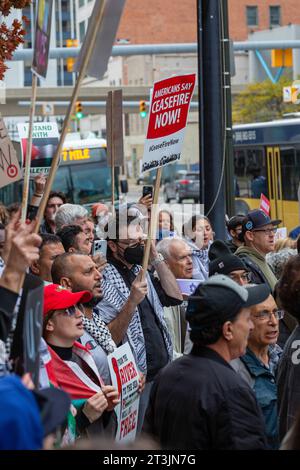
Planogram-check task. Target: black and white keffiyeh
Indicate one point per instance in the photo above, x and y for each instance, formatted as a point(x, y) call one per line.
point(115, 295)
point(99, 331)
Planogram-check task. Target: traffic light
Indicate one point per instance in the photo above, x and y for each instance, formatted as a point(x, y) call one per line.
point(143, 110)
point(78, 110)
point(71, 60)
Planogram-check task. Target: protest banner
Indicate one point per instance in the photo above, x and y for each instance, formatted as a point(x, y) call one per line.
point(125, 377)
point(27, 335)
point(97, 21)
point(9, 165)
point(45, 138)
point(112, 12)
point(39, 69)
point(264, 204)
point(42, 38)
point(169, 109)
point(114, 135)
point(167, 120)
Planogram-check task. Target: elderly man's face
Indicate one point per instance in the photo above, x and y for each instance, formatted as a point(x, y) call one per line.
point(266, 325)
point(180, 260)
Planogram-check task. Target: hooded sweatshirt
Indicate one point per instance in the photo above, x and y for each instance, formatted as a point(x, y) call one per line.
point(259, 261)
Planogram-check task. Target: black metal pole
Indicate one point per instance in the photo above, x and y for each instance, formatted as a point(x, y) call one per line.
point(200, 101)
point(229, 164)
point(212, 151)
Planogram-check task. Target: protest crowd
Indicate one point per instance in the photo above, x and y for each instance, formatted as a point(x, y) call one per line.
point(119, 326)
point(212, 326)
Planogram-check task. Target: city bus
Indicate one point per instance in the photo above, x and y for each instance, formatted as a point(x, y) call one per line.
point(267, 160)
point(83, 174)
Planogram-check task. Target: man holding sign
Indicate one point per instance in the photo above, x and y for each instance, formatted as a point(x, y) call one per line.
point(132, 306)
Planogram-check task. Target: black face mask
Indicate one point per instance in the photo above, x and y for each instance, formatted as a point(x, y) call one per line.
point(134, 254)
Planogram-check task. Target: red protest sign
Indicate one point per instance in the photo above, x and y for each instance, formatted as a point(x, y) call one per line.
point(167, 120)
point(264, 204)
point(170, 105)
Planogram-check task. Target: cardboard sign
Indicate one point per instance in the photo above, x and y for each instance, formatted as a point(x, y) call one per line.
point(167, 120)
point(114, 128)
point(125, 377)
point(45, 139)
point(28, 332)
point(105, 37)
point(42, 38)
point(264, 204)
point(9, 164)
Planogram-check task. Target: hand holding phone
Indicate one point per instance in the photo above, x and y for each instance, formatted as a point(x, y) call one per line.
point(99, 247)
point(147, 190)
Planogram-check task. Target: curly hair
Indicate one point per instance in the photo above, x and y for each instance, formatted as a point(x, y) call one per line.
point(289, 287)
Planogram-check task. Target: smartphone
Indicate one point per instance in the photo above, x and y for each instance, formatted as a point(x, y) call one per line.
point(99, 246)
point(147, 190)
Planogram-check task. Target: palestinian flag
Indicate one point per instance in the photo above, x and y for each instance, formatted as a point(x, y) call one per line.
point(70, 377)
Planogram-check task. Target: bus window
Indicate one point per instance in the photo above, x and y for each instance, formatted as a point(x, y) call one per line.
point(290, 173)
point(250, 172)
point(90, 183)
point(62, 182)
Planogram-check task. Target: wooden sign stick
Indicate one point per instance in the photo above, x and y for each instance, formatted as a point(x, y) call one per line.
point(64, 132)
point(29, 149)
point(153, 221)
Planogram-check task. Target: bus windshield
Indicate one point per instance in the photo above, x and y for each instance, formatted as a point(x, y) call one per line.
point(83, 174)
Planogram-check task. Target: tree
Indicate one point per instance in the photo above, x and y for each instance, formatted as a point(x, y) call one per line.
point(262, 102)
point(10, 38)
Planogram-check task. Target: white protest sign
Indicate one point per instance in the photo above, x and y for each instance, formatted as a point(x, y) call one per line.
point(281, 233)
point(167, 120)
point(45, 139)
point(125, 377)
point(9, 165)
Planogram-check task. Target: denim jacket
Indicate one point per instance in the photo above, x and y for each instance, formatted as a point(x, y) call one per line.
point(265, 389)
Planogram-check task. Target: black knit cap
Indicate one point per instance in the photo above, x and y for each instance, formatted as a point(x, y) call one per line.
point(220, 299)
point(222, 261)
point(235, 221)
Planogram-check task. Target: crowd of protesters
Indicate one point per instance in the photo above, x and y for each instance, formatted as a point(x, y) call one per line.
point(218, 369)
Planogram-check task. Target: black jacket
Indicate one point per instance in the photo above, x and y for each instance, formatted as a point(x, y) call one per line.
point(8, 302)
point(200, 402)
point(288, 382)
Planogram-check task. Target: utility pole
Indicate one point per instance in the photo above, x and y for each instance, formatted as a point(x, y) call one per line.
point(229, 164)
point(211, 118)
point(211, 112)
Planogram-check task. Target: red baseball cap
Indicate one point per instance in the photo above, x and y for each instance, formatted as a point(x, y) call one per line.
point(57, 297)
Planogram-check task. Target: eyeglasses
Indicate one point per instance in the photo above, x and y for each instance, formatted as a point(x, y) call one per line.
point(266, 315)
point(246, 277)
point(71, 311)
point(267, 231)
